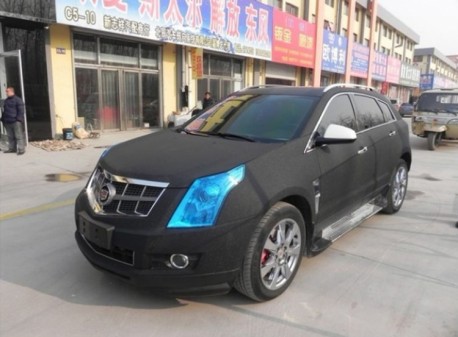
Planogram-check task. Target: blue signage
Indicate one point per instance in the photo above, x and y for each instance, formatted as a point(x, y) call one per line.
point(380, 66)
point(334, 52)
point(426, 81)
point(242, 27)
point(359, 60)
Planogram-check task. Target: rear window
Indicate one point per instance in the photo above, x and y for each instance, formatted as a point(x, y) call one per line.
point(368, 113)
point(387, 114)
point(264, 118)
point(438, 102)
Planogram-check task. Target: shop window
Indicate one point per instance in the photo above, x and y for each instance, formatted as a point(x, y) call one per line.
point(345, 10)
point(149, 59)
point(238, 69)
point(220, 66)
point(123, 96)
point(114, 52)
point(292, 9)
point(206, 64)
point(329, 2)
point(222, 75)
point(368, 21)
point(85, 48)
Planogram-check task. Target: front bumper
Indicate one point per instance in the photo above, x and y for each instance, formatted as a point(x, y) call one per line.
point(139, 253)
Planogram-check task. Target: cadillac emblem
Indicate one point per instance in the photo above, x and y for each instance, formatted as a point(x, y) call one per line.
point(106, 194)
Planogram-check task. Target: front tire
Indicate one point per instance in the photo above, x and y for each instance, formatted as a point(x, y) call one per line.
point(398, 189)
point(434, 139)
point(274, 253)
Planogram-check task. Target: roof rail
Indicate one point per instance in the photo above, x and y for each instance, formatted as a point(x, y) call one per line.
point(264, 86)
point(348, 85)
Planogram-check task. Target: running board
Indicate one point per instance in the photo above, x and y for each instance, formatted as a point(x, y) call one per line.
point(347, 223)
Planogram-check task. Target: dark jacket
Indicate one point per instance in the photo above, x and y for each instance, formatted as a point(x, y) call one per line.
point(13, 110)
point(207, 103)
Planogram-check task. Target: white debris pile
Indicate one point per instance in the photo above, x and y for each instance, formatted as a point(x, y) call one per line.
point(58, 145)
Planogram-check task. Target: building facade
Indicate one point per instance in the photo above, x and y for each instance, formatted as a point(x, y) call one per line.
point(437, 70)
point(127, 64)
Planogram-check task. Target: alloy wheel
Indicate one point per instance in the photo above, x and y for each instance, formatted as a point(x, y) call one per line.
point(280, 254)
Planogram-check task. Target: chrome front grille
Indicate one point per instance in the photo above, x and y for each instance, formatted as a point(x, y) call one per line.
point(116, 195)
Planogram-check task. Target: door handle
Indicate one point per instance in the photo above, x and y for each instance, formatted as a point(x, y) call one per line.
point(392, 133)
point(363, 150)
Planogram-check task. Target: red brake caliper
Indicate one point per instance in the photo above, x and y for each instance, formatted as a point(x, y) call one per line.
point(264, 256)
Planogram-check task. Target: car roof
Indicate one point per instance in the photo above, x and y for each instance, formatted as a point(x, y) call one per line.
point(283, 90)
point(310, 91)
point(441, 91)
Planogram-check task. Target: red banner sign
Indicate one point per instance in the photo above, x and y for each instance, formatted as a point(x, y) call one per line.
point(197, 63)
point(293, 40)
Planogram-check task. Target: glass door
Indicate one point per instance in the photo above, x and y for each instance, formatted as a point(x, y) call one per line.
point(109, 110)
point(87, 98)
point(11, 73)
point(131, 95)
point(150, 99)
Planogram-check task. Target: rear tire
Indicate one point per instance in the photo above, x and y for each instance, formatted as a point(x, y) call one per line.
point(398, 188)
point(274, 254)
point(434, 139)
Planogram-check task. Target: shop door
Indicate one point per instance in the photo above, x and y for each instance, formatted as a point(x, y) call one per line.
point(110, 109)
point(131, 100)
point(11, 75)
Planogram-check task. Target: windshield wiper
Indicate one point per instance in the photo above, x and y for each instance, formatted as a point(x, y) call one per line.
point(192, 132)
point(231, 135)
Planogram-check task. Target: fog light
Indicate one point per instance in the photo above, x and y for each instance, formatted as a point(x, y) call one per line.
point(179, 261)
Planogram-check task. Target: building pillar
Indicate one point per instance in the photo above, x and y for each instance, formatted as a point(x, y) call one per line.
point(319, 42)
point(351, 22)
point(60, 78)
point(372, 7)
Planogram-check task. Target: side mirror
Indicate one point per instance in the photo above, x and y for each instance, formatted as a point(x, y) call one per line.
point(336, 134)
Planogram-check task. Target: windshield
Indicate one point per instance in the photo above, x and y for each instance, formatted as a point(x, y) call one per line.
point(438, 102)
point(261, 118)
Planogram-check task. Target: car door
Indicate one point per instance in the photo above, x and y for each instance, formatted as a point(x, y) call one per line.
point(378, 121)
point(347, 170)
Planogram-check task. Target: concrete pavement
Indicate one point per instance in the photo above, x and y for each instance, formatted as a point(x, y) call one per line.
point(27, 181)
point(391, 276)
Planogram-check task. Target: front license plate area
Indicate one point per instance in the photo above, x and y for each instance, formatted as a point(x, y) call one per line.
point(98, 233)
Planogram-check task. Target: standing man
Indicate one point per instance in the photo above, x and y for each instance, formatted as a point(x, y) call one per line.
point(13, 121)
point(208, 100)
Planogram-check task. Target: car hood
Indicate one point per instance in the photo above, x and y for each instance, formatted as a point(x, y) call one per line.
point(179, 158)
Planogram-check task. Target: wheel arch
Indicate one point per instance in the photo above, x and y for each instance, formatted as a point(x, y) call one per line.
point(407, 157)
point(304, 208)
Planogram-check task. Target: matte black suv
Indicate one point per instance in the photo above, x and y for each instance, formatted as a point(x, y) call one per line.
point(241, 192)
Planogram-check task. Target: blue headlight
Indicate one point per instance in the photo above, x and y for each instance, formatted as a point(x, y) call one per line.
point(202, 202)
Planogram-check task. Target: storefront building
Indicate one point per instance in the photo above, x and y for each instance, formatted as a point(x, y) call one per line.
point(128, 64)
point(23, 65)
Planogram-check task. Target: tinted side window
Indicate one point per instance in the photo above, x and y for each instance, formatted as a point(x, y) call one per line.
point(386, 112)
point(340, 112)
point(368, 112)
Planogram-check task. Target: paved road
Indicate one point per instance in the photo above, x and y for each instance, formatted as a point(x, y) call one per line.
point(391, 276)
